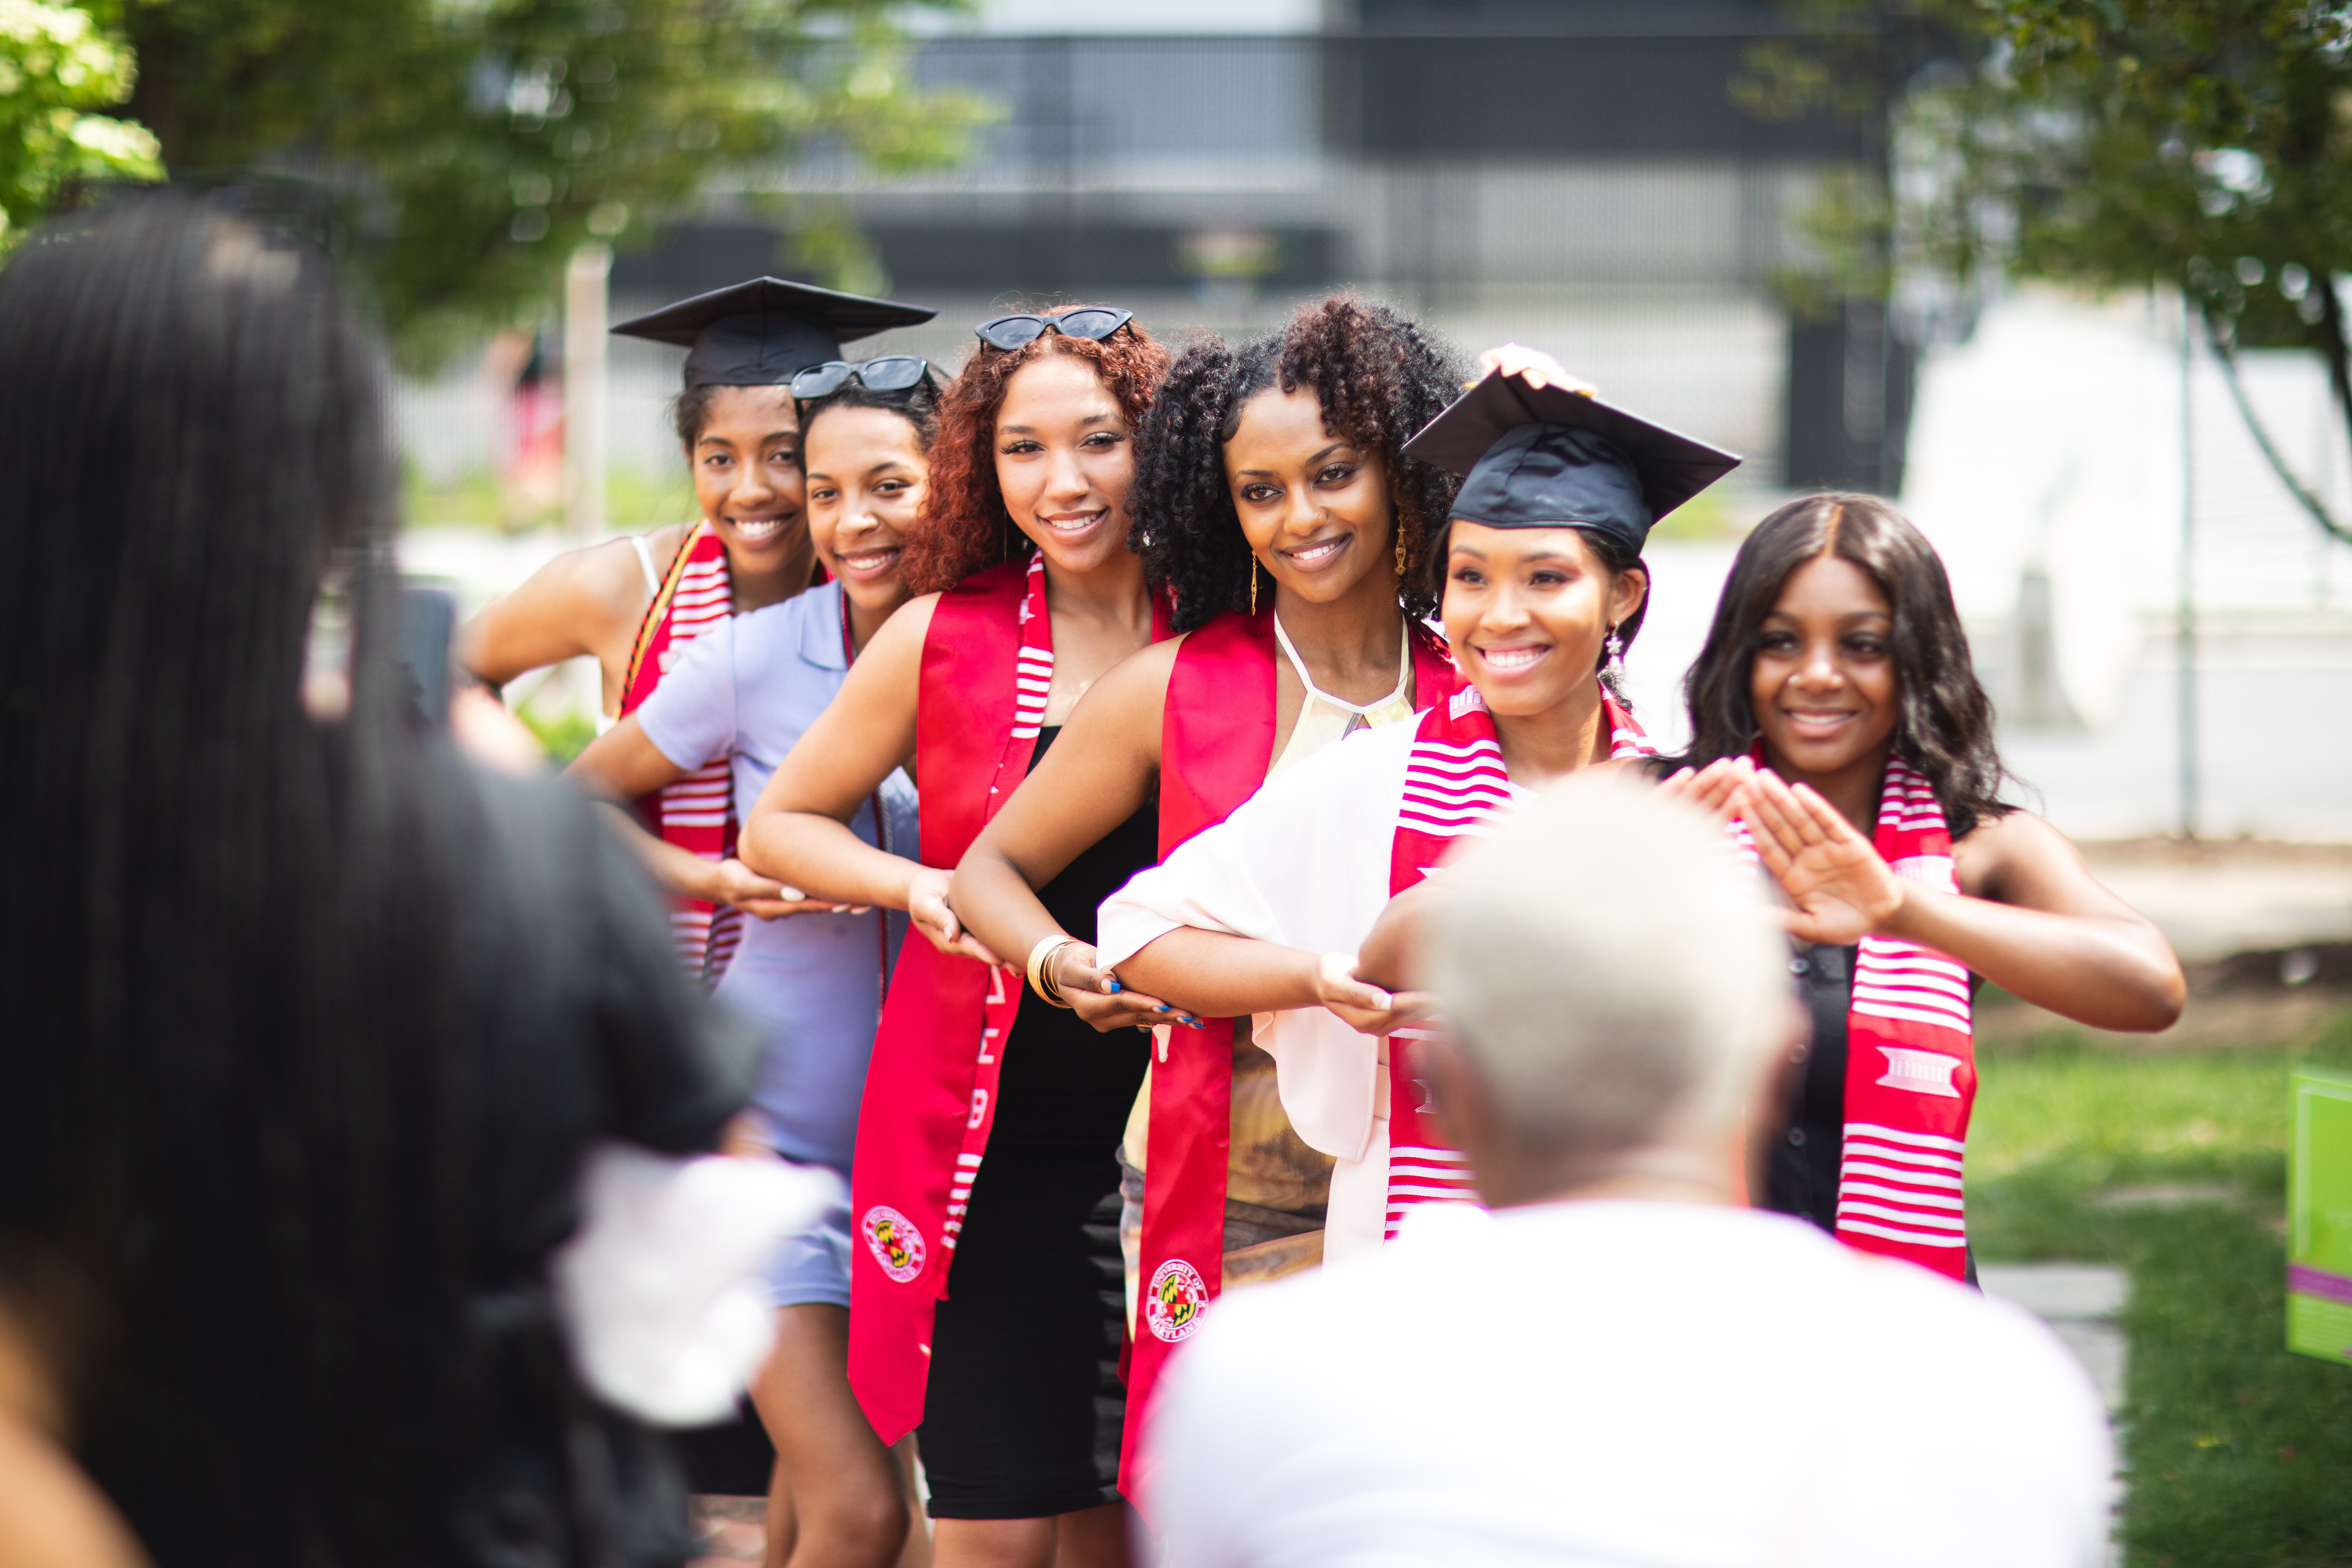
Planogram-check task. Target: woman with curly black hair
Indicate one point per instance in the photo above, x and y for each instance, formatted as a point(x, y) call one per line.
point(1836, 661)
point(1274, 502)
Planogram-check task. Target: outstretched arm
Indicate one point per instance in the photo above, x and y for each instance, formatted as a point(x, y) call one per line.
point(798, 830)
point(1217, 974)
point(585, 601)
point(2038, 924)
point(1098, 775)
point(621, 765)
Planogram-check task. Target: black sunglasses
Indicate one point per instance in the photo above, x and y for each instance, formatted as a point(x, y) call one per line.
point(1094, 323)
point(891, 372)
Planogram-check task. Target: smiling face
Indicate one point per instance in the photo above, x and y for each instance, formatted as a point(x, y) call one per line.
point(1314, 507)
point(1065, 462)
point(866, 475)
point(1822, 684)
point(747, 476)
point(1528, 610)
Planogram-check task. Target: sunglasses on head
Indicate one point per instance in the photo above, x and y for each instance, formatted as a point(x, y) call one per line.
point(890, 372)
point(1094, 322)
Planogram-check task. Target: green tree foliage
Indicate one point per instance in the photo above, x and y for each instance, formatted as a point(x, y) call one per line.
point(61, 67)
point(472, 145)
point(2204, 145)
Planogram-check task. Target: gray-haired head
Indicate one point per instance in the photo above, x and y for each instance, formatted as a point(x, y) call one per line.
point(1609, 971)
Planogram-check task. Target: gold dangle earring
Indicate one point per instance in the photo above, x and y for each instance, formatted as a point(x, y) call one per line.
point(1399, 533)
point(1252, 585)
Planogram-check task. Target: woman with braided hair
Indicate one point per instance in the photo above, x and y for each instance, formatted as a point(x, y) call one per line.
point(1273, 503)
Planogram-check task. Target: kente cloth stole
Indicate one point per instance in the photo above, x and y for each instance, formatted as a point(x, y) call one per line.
point(1455, 786)
point(694, 811)
point(930, 1088)
point(1910, 1057)
point(1216, 742)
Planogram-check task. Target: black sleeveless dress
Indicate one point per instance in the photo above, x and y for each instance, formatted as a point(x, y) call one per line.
point(1024, 1405)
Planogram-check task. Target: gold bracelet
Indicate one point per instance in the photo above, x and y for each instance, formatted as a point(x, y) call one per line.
point(1040, 977)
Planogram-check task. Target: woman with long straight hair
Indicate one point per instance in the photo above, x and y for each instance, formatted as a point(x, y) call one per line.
point(1837, 663)
point(1029, 595)
point(1275, 504)
point(311, 1023)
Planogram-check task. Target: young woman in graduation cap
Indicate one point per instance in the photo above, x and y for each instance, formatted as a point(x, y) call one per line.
point(1275, 502)
point(741, 697)
point(1836, 662)
point(1538, 570)
point(634, 603)
point(1012, 1367)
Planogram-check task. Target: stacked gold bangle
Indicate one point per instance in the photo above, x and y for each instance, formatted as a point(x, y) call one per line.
point(1041, 967)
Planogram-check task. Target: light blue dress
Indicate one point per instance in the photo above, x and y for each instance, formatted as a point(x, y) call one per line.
point(745, 691)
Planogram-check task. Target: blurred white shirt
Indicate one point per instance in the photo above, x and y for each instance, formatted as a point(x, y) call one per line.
point(1669, 1385)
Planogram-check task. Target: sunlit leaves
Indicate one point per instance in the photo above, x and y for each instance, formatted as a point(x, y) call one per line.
point(60, 69)
point(477, 141)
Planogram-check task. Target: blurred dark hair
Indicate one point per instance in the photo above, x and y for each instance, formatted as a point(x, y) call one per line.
point(1945, 723)
point(919, 406)
point(966, 527)
point(272, 1006)
point(1379, 378)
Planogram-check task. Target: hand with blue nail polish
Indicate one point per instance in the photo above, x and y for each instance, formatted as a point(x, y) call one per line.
point(1098, 995)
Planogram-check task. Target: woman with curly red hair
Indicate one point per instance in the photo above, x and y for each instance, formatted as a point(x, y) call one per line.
point(1031, 593)
point(1275, 502)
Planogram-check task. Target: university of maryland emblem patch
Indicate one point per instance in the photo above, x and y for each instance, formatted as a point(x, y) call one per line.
point(897, 1245)
point(1171, 1308)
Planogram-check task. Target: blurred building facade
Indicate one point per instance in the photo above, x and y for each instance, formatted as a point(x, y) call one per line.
point(1576, 174)
point(1571, 174)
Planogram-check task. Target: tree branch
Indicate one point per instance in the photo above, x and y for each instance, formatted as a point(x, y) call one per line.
point(2228, 358)
point(2332, 347)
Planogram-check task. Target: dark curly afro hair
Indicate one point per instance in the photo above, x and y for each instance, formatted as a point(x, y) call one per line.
point(1379, 377)
point(965, 527)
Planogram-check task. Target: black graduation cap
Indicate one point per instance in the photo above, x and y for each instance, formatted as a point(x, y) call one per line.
point(1547, 457)
point(763, 332)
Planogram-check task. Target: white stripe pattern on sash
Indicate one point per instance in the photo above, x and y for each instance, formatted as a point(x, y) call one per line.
point(1032, 672)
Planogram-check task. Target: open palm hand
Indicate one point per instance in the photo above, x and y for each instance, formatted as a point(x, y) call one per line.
point(1839, 889)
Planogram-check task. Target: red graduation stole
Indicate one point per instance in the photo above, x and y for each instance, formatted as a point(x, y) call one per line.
point(1455, 786)
point(930, 1088)
point(694, 811)
point(1216, 742)
point(1910, 1058)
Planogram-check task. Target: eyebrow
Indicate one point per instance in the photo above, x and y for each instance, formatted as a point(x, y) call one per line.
point(1777, 613)
point(1317, 457)
point(1031, 429)
point(707, 439)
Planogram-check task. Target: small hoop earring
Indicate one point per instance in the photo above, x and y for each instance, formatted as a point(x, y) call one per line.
point(1612, 670)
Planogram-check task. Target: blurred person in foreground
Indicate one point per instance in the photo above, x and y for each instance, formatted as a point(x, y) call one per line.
point(313, 1023)
point(1620, 1364)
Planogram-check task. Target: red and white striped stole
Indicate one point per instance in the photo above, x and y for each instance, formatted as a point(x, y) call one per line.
point(1455, 786)
point(694, 811)
point(1910, 1062)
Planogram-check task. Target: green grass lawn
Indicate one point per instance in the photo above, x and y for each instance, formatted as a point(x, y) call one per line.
point(2175, 1167)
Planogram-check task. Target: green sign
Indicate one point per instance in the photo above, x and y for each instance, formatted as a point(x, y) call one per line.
point(2319, 1216)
